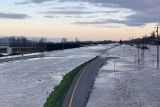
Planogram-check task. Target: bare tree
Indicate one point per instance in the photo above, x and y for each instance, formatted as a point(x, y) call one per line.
point(42, 44)
point(12, 41)
point(64, 40)
point(23, 41)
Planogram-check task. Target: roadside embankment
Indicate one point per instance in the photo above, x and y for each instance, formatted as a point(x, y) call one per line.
point(19, 57)
point(56, 98)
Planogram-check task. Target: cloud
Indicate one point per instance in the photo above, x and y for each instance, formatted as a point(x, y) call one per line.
point(99, 22)
point(145, 11)
point(48, 16)
point(32, 1)
point(40, 1)
point(13, 16)
point(75, 12)
point(21, 3)
point(66, 12)
point(110, 21)
point(70, 7)
point(142, 18)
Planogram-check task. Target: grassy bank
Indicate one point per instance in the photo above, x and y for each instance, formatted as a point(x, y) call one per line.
point(55, 99)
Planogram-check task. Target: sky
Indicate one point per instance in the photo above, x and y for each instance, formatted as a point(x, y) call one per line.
point(82, 19)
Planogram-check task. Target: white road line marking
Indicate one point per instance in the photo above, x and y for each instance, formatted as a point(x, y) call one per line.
point(70, 103)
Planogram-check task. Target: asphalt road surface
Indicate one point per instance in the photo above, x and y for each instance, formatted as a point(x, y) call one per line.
point(80, 89)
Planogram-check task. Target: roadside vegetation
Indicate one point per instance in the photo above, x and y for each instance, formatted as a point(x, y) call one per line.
point(55, 99)
point(22, 45)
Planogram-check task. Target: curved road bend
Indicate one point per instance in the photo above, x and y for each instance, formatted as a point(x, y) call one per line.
point(80, 88)
point(79, 91)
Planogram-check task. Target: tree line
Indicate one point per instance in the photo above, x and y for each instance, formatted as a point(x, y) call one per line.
point(147, 39)
point(41, 45)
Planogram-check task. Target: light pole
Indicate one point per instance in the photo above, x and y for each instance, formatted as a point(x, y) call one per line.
point(138, 50)
point(157, 47)
point(143, 47)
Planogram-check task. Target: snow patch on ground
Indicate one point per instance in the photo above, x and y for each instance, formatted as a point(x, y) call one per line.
point(124, 82)
point(27, 83)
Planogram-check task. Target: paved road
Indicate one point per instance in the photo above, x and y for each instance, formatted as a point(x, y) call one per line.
point(79, 91)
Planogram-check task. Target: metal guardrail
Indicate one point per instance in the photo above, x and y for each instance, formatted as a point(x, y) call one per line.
point(21, 58)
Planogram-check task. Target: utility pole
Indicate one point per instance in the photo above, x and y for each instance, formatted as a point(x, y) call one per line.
point(143, 46)
point(157, 28)
point(143, 49)
point(138, 46)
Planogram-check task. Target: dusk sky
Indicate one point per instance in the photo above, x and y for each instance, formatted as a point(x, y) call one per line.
point(82, 19)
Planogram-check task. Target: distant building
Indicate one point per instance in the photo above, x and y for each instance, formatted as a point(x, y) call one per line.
point(4, 46)
point(5, 49)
